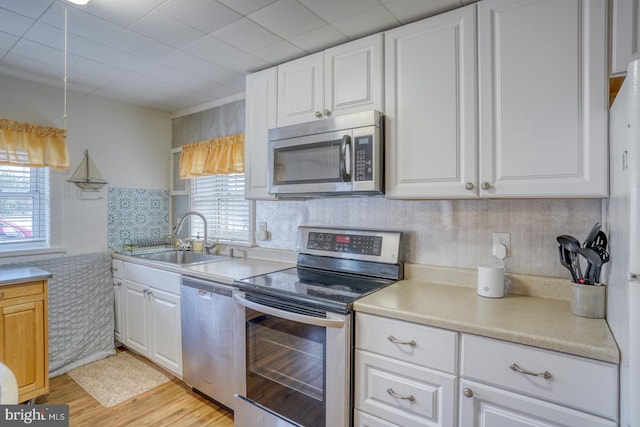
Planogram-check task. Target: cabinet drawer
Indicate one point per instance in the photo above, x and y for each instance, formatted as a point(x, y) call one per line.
point(407, 394)
point(433, 348)
point(21, 290)
point(362, 419)
point(578, 382)
point(154, 277)
point(116, 268)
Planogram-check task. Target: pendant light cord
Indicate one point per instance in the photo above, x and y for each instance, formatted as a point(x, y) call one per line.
point(65, 68)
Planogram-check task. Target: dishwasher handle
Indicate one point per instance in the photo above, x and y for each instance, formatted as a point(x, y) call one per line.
point(309, 320)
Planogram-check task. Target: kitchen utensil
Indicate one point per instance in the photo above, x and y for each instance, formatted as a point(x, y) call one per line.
point(591, 237)
point(570, 245)
point(604, 256)
point(592, 273)
point(601, 240)
point(565, 260)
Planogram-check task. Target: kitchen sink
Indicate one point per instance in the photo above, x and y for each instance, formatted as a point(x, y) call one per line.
point(183, 258)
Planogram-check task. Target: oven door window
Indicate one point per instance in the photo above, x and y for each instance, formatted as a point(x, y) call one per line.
point(286, 368)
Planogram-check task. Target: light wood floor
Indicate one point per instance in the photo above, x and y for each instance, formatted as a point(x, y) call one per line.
point(170, 404)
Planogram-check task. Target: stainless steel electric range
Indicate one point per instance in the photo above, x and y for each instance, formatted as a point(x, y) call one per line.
point(294, 327)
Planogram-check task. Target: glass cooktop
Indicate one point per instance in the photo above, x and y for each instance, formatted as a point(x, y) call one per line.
point(328, 290)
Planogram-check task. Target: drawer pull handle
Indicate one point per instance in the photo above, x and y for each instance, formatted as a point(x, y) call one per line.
point(546, 375)
point(395, 340)
point(410, 398)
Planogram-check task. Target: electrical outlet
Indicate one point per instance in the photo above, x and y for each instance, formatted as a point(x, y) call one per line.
point(503, 239)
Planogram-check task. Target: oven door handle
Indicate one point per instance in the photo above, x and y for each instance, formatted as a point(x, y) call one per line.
point(309, 320)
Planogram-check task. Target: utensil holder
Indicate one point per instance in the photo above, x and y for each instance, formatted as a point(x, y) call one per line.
point(589, 300)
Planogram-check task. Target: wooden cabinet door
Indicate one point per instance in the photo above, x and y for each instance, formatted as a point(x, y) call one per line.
point(136, 323)
point(485, 406)
point(353, 77)
point(300, 90)
point(543, 98)
point(261, 102)
point(165, 346)
point(22, 348)
point(430, 107)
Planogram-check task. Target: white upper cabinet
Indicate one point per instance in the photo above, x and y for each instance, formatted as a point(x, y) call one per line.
point(341, 80)
point(625, 38)
point(260, 116)
point(430, 107)
point(536, 125)
point(543, 98)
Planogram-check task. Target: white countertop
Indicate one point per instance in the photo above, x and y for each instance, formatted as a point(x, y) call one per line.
point(12, 276)
point(540, 322)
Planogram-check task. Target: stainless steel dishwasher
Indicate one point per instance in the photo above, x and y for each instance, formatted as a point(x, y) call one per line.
point(207, 338)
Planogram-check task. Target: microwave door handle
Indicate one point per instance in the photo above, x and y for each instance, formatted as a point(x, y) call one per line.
point(345, 159)
point(283, 314)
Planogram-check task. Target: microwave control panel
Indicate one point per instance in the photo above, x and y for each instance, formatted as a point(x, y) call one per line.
point(363, 147)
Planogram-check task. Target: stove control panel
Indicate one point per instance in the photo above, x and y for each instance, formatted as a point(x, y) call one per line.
point(357, 244)
point(346, 243)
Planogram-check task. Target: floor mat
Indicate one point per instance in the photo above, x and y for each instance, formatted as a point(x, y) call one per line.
point(117, 378)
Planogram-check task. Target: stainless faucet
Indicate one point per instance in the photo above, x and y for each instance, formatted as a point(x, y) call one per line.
point(205, 246)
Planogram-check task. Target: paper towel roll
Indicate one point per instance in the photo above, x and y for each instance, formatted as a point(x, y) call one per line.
point(491, 281)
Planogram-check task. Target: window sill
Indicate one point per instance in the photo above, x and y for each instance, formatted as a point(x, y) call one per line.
point(16, 253)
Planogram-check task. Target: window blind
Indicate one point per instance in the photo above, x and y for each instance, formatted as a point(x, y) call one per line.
point(220, 198)
point(24, 206)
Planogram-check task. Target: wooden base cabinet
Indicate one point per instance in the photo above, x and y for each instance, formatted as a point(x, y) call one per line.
point(24, 338)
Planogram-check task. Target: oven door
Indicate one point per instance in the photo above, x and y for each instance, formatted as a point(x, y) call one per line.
point(312, 164)
point(296, 368)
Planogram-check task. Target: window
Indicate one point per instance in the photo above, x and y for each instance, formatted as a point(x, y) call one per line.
point(220, 198)
point(24, 207)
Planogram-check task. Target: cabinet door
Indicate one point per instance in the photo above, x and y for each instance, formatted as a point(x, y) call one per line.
point(485, 406)
point(23, 347)
point(165, 337)
point(260, 116)
point(625, 40)
point(118, 293)
point(430, 107)
point(300, 90)
point(136, 323)
point(543, 98)
point(353, 77)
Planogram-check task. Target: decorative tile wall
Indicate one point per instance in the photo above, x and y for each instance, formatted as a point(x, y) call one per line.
point(137, 214)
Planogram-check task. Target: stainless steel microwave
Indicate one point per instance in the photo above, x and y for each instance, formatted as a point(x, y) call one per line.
point(340, 156)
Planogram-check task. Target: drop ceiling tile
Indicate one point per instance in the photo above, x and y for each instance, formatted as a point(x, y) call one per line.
point(22, 64)
point(248, 64)
point(40, 53)
point(31, 8)
point(121, 12)
point(411, 10)
point(197, 67)
point(204, 15)
point(319, 39)
point(139, 45)
point(7, 40)
point(165, 29)
point(338, 10)
point(13, 23)
point(371, 21)
point(47, 35)
point(287, 18)
point(246, 35)
point(213, 50)
point(279, 53)
point(245, 7)
point(81, 23)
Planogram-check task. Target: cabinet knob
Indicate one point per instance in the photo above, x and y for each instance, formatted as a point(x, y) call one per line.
point(485, 185)
point(467, 392)
point(327, 113)
point(318, 114)
point(469, 186)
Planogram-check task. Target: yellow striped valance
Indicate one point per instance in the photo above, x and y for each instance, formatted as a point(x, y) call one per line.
point(219, 156)
point(26, 144)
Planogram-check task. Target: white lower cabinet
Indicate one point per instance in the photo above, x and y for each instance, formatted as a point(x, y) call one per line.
point(398, 376)
point(507, 384)
point(408, 374)
point(118, 292)
point(151, 321)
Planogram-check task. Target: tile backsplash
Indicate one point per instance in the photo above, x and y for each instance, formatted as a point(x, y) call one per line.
point(137, 214)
